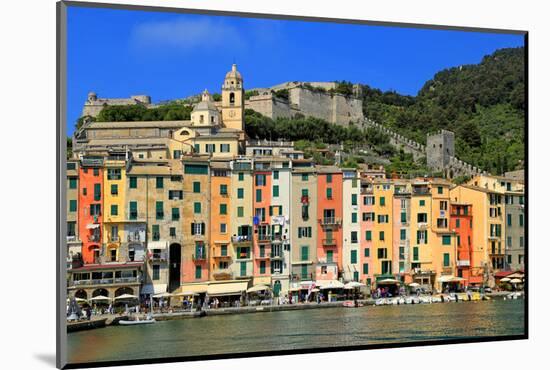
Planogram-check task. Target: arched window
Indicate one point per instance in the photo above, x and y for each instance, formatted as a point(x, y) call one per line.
point(232, 98)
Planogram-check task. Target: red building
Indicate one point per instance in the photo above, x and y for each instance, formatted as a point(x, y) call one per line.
point(461, 224)
point(90, 214)
point(329, 216)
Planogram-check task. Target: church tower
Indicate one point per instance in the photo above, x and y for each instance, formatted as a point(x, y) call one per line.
point(233, 100)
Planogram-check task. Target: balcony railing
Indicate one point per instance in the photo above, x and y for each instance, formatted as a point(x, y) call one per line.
point(222, 256)
point(94, 238)
point(135, 238)
point(114, 238)
point(329, 242)
point(276, 256)
point(159, 257)
point(308, 276)
point(238, 239)
point(124, 280)
point(199, 257)
point(222, 274)
point(463, 263)
point(243, 256)
point(264, 237)
point(422, 225)
point(71, 238)
point(330, 221)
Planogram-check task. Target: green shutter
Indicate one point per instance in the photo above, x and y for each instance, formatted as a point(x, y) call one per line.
point(365, 268)
point(72, 205)
point(368, 235)
point(439, 190)
point(243, 268)
point(403, 217)
point(72, 183)
point(240, 211)
point(354, 217)
point(223, 209)
point(133, 182)
point(422, 202)
point(330, 256)
point(329, 178)
point(114, 189)
point(262, 267)
point(159, 210)
point(196, 187)
point(240, 193)
point(195, 169)
point(160, 182)
point(156, 232)
point(367, 252)
point(258, 195)
point(403, 234)
point(415, 253)
point(114, 210)
point(241, 178)
point(276, 175)
point(329, 193)
point(354, 256)
point(354, 199)
point(382, 201)
point(305, 253)
point(446, 240)
point(175, 214)
point(446, 260)
point(198, 272)
point(275, 190)
point(97, 191)
point(197, 207)
point(223, 189)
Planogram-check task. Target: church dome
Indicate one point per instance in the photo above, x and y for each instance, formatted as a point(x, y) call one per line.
point(206, 103)
point(233, 73)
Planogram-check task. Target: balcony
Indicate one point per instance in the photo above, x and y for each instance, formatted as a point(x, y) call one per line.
point(330, 221)
point(241, 239)
point(71, 238)
point(264, 238)
point(222, 256)
point(159, 257)
point(303, 277)
point(113, 238)
point(494, 237)
point(135, 238)
point(422, 225)
point(367, 190)
point(199, 257)
point(122, 280)
point(421, 190)
point(223, 274)
point(463, 263)
point(264, 256)
point(94, 238)
point(276, 256)
point(447, 270)
point(329, 242)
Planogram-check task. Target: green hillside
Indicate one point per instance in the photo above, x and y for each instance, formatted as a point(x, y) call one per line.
point(483, 104)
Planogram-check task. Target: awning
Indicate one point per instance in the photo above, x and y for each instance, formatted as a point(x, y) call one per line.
point(92, 226)
point(153, 289)
point(329, 284)
point(388, 281)
point(475, 279)
point(196, 288)
point(258, 288)
point(450, 279)
point(159, 244)
point(265, 280)
point(223, 289)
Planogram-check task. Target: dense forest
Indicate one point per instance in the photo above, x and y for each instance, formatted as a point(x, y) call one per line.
point(483, 104)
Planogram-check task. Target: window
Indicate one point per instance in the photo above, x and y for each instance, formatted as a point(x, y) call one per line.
point(509, 242)
point(440, 190)
point(457, 223)
point(403, 234)
point(72, 182)
point(258, 195)
point(133, 211)
point(97, 191)
point(329, 178)
point(422, 203)
point(403, 217)
point(72, 205)
point(241, 176)
point(96, 171)
point(173, 232)
point(133, 182)
point(458, 240)
point(114, 189)
point(223, 189)
point(240, 211)
point(260, 180)
point(521, 241)
point(95, 209)
point(329, 193)
point(353, 257)
point(442, 223)
point(421, 236)
point(509, 219)
point(240, 193)
point(114, 210)
point(446, 240)
point(368, 216)
point(368, 200)
point(71, 166)
point(197, 207)
point(198, 228)
point(382, 253)
point(354, 217)
point(223, 228)
point(175, 214)
point(262, 267)
point(422, 217)
point(159, 210)
point(225, 148)
point(275, 175)
point(382, 201)
point(521, 220)
point(275, 190)
point(210, 148)
point(304, 272)
point(354, 237)
point(223, 209)
point(160, 182)
point(156, 272)
point(368, 235)
point(381, 235)
point(198, 272)
point(156, 232)
point(305, 177)
point(113, 174)
point(443, 205)
point(366, 252)
point(305, 253)
point(175, 194)
point(304, 232)
point(354, 199)
point(71, 228)
point(196, 187)
point(415, 253)
point(383, 219)
point(446, 260)
point(401, 253)
point(365, 268)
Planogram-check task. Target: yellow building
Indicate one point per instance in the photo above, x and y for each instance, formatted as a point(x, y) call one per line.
point(382, 234)
point(233, 100)
point(114, 182)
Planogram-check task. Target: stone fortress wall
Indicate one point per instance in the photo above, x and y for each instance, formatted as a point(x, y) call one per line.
point(93, 104)
point(333, 108)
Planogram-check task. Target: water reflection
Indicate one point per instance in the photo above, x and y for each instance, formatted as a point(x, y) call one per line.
point(299, 329)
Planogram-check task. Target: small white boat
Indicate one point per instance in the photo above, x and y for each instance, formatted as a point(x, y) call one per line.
point(137, 321)
point(380, 302)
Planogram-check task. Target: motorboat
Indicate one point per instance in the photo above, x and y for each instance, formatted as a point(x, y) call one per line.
point(351, 304)
point(137, 321)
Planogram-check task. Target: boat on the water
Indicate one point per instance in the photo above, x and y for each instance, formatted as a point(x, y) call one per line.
point(351, 304)
point(137, 321)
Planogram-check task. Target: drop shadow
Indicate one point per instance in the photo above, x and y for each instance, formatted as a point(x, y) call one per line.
point(47, 358)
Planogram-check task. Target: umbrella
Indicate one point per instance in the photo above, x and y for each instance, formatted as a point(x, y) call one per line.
point(314, 290)
point(515, 281)
point(353, 285)
point(388, 281)
point(77, 299)
point(185, 294)
point(100, 298)
point(414, 285)
point(504, 280)
point(126, 296)
point(258, 288)
point(162, 295)
point(332, 284)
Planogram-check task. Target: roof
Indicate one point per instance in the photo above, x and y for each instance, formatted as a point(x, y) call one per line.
point(328, 169)
point(205, 105)
point(234, 73)
point(139, 124)
point(129, 141)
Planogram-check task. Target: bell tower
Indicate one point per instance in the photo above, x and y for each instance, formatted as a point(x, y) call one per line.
point(233, 100)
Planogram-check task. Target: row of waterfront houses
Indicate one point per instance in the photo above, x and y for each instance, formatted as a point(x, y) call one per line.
point(149, 225)
point(196, 207)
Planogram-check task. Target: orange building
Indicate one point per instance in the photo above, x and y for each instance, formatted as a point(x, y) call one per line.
point(329, 216)
point(90, 215)
point(221, 254)
point(262, 221)
point(461, 224)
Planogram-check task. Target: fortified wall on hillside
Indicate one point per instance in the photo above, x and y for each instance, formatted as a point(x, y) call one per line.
point(308, 99)
point(93, 104)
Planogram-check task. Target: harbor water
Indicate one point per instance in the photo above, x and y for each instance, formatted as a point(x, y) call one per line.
point(301, 329)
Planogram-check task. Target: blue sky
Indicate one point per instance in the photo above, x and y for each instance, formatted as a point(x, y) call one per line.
point(118, 53)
